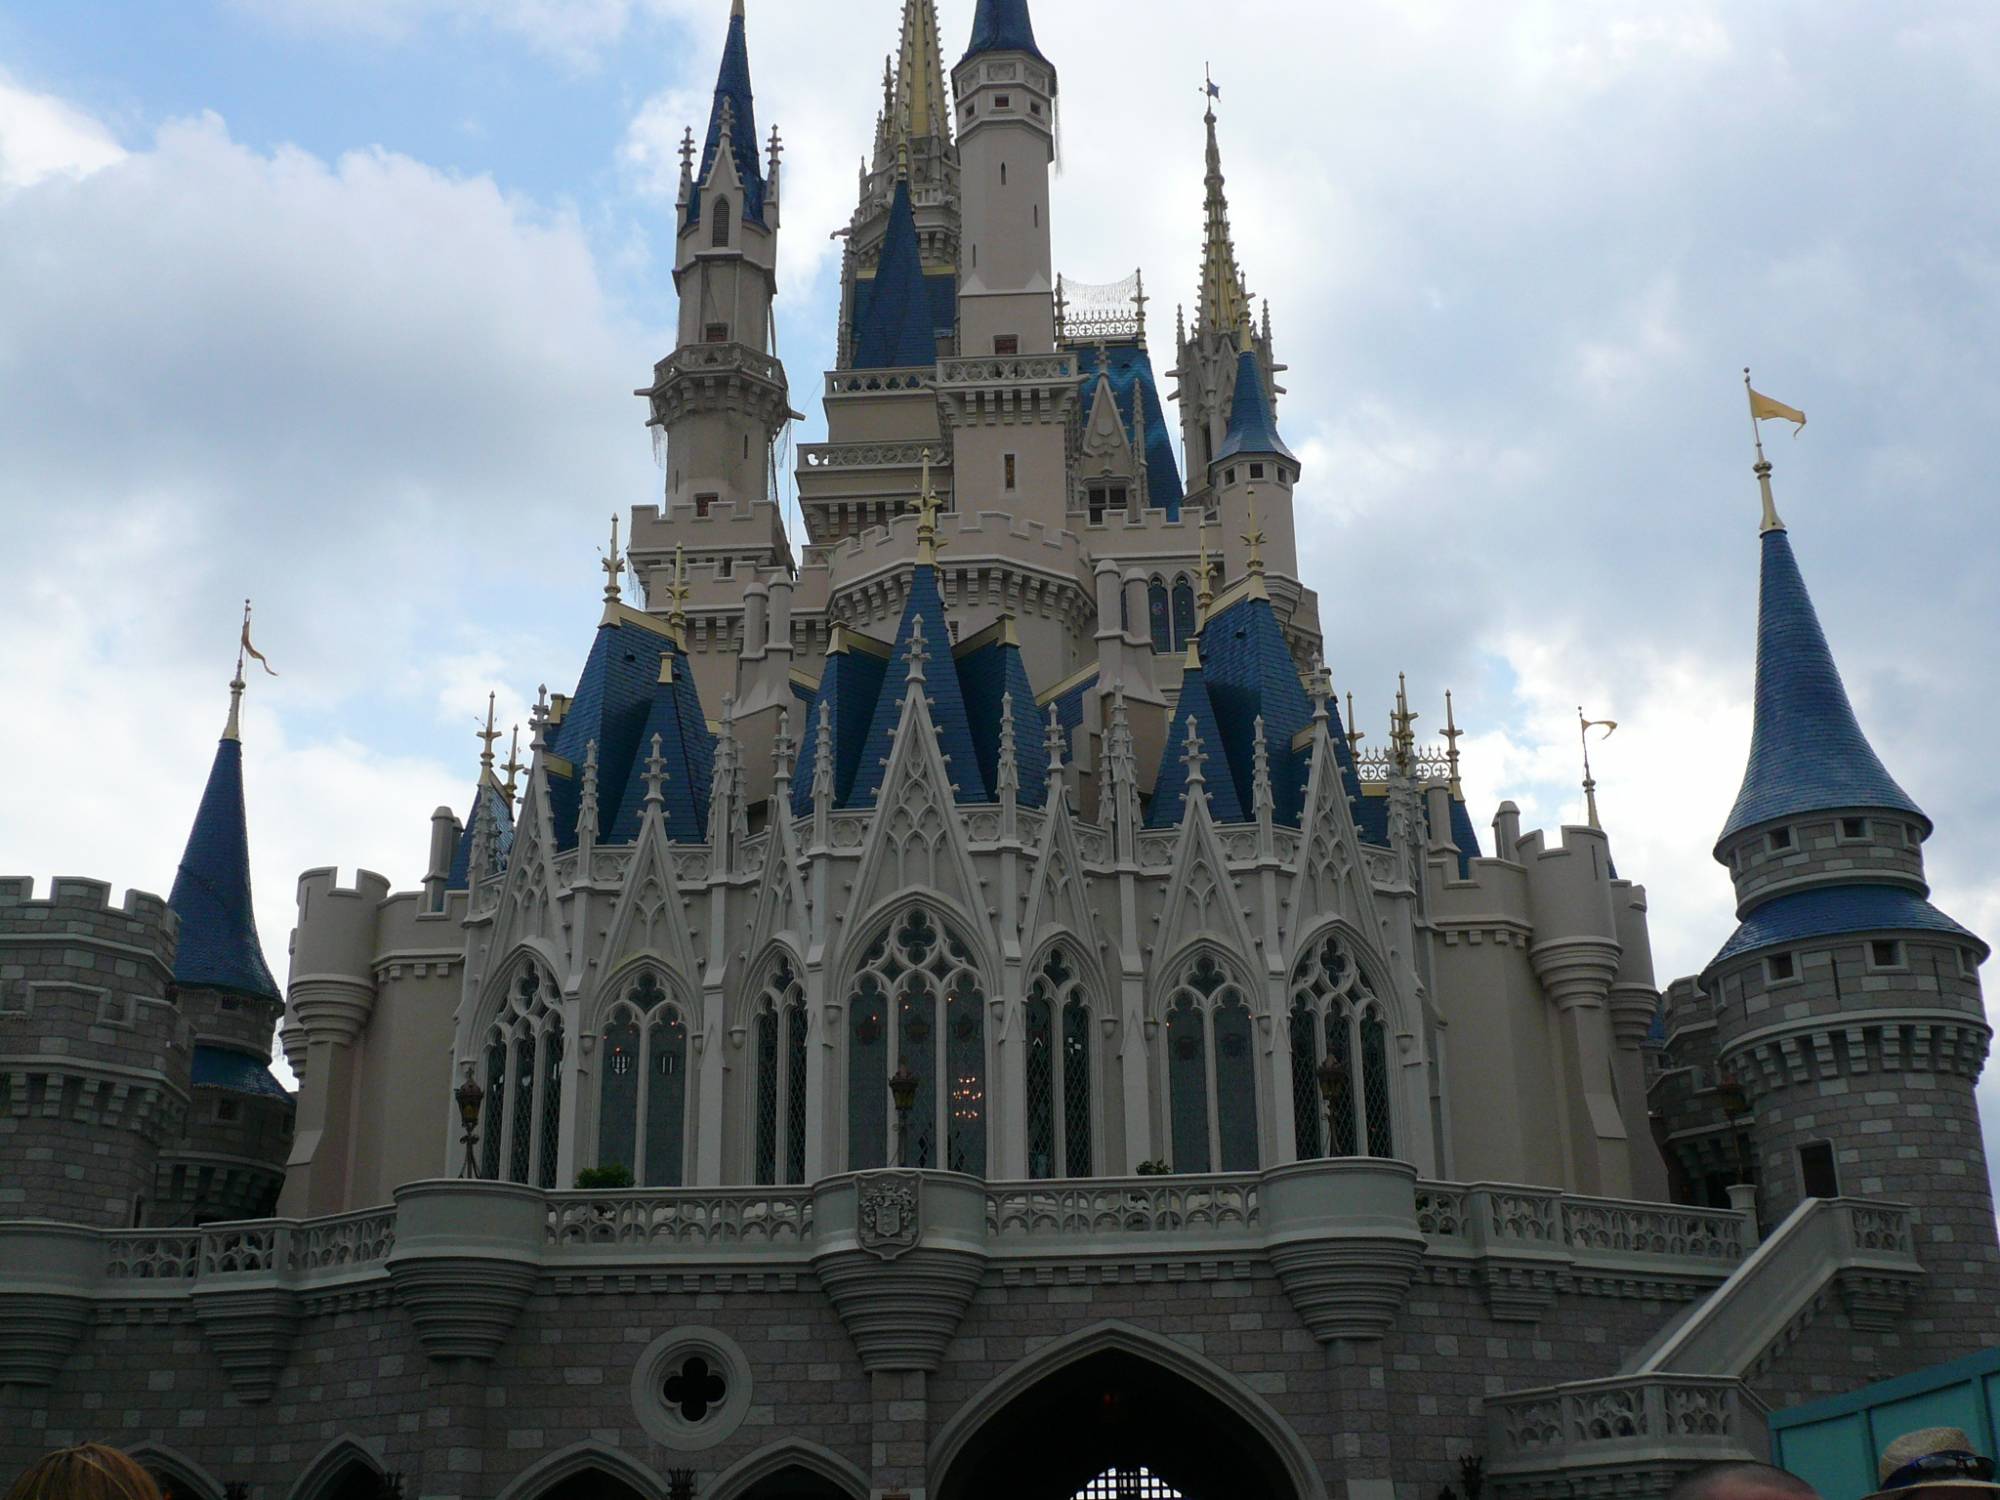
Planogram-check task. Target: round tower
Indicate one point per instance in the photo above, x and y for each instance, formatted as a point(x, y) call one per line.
point(1847, 1007)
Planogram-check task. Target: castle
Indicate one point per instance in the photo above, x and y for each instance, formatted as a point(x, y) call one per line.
point(1012, 1038)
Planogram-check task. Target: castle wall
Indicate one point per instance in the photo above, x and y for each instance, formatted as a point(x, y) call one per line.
point(1889, 850)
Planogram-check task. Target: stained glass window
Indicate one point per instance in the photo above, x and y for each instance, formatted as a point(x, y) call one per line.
point(1076, 1089)
point(1375, 1084)
point(496, 1107)
point(552, 1090)
point(767, 1098)
point(937, 1030)
point(1308, 1108)
point(1059, 1103)
point(1345, 1018)
point(1041, 1087)
point(516, 1060)
point(795, 1091)
point(521, 1157)
point(1235, 1083)
point(618, 1106)
point(1159, 617)
point(1183, 612)
point(666, 1097)
point(1187, 1084)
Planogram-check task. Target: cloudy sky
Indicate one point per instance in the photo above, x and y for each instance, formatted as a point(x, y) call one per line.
point(339, 304)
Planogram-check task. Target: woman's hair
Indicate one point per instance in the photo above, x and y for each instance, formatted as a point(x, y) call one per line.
point(89, 1471)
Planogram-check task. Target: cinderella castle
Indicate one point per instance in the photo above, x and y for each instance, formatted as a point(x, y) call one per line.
point(951, 1007)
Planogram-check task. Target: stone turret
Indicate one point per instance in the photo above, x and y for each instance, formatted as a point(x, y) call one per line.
point(94, 1055)
point(1847, 1008)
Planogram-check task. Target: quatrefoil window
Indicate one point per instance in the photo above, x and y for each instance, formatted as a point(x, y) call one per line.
point(695, 1389)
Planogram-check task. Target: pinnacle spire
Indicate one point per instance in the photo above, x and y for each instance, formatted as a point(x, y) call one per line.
point(219, 948)
point(1225, 301)
point(734, 108)
point(917, 104)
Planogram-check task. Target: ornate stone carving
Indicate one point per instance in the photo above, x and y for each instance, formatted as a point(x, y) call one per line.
point(888, 1209)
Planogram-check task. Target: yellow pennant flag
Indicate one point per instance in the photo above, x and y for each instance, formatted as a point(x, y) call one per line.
point(251, 651)
point(1762, 407)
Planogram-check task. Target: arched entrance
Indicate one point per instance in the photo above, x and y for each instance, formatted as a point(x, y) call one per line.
point(795, 1482)
point(1115, 1423)
point(355, 1480)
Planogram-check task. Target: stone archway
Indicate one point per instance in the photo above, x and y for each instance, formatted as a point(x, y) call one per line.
point(591, 1484)
point(1105, 1404)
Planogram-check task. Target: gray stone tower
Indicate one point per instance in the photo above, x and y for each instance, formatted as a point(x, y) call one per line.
point(1847, 1008)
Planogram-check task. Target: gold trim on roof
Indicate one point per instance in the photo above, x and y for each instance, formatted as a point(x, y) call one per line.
point(845, 638)
point(625, 614)
point(1068, 684)
point(1001, 631)
point(555, 765)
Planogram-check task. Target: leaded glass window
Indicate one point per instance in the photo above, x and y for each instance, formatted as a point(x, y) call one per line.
point(666, 1096)
point(918, 1000)
point(780, 1098)
point(1211, 1071)
point(1183, 612)
point(1059, 1102)
point(1337, 1015)
point(523, 1086)
point(1159, 616)
point(618, 1093)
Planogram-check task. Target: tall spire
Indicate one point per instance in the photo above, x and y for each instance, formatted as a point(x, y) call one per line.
point(1225, 302)
point(1252, 426)
point(1807, 750)
point(918, 105)
point(735, 107)
point(895, 321)
point(219, 948)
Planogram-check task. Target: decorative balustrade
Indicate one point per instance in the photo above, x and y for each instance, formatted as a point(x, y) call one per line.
point(1653, 1229)
point(998, 369)
point(692, 1218)
point(1882, 1227)
point(244, 1249)
point(1503, 1214)
point(719, 359)
point(1683, 1419)
point(350, 1240)
point(876, 382)
point(1441, 1211)
point(151, 1255)
point(872, 455)
point(1138, 1205)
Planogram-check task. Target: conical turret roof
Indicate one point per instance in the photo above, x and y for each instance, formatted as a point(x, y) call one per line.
point(734, 100)
point(219, 948)
point(894, 328)
point(1252, 427)
point(1003, 26)
point(1807, 751)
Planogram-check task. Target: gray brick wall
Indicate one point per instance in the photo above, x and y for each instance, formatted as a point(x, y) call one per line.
point(1821, 848)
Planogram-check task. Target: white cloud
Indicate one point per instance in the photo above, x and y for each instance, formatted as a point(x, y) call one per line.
point(576, 30)
point(41, 136)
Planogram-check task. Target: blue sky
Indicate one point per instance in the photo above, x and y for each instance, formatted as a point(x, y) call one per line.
point(339, 303)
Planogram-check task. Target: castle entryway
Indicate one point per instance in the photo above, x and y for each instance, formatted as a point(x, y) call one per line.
point(1112, 1424)
point(591, 1484)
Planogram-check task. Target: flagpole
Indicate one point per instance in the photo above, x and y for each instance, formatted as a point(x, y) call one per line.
point(1762, 468)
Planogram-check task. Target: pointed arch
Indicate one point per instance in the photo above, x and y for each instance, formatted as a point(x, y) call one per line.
point(1339, 1022)
point(1066, 1001)
point(1117, 1337)
point(578, 1460)
point(772, 1012)
point(321, 1477)
point(644, 1026)
point(743, 1476)
point(1208, 1004)
point(189, 1479)
point(1159, 615)
point(718, 221)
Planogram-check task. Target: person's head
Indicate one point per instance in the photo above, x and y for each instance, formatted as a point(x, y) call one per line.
point(89, 1471)
point(1741, 1480)
point(1937, 1463)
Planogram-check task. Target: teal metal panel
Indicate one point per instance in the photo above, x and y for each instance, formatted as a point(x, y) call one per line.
point(1960, 1404)
point(1836, 1456)
point(1835, 1444)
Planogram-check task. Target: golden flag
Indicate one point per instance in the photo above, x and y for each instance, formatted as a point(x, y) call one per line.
point(252, 651)
point(1763, 407)
point(1609, 726)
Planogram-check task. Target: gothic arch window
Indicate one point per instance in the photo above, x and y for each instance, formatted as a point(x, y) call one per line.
point(718, 222)
point(1336, 1015)
point(917, 1000)
point(642, 1103)
point(1159, 616)
point(522, 1133)
point(1183, 612)
point(780, 1104)
point(1059, 1143)
point(1211, 1071)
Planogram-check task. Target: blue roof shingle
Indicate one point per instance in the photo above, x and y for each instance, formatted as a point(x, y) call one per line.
point(218, 924)
point(1807, 751)
point(732, 88)
point(1252, 427)
point(1169, 803)
point(895, 318)
point(947, 700)
point(226, 1068)
point(1836, 910)
point(987, 674)
point(1131, 371)
point(1003, 26)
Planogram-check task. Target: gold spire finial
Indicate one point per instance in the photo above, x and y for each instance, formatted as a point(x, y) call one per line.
point(928, 506)
point(1355, 734)
point(677, 615)
point(1610, 727)
point(1223, 306)
point(1452, 735)
point(486, 737)
point(1206, 597)
point(233, 729)
point(1254, 538)
point(613, 565)
point(513, 768)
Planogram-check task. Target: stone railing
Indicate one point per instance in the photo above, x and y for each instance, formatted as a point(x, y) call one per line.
point(347, 1241)
point(877, 382)
point(1120, 1206)
point(872, 455)
point(719, 358)
point(1638, 1432)
point(152, 1255)
point(999, 369)
point(711, 1219)
point(274, 1247)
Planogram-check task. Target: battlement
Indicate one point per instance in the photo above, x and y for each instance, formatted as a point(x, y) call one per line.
point(76, 907)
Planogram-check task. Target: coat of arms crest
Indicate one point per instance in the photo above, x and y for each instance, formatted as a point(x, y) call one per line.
point(887, 1210)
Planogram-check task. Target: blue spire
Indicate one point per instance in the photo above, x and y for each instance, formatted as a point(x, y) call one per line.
point(489, 795)
point(1169, 803)
point(732, 89)
point(1250, 675)
point(894, 326)
point(218, 945)
point(1003, 26)
point(948, 715)
point(1807, 751)
point(1252, 428)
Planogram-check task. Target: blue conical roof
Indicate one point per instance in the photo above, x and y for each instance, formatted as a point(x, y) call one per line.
point(1250, 675)
point(1169, 803)
point(218, 942)
point(1252, 427)
point(501, 811)
point(1807, 751)
point(1003, 26)
point(732, 88)
point(895, 323)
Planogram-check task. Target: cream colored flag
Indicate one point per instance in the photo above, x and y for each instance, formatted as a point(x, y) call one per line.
point(1763, 407)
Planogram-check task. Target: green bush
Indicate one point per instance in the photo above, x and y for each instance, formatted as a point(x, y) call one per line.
point(604, 1177)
